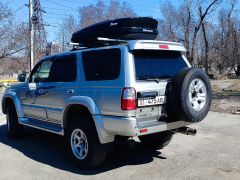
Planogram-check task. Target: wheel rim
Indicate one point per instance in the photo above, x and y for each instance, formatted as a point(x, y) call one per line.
point(197, 94)
point(79, 144)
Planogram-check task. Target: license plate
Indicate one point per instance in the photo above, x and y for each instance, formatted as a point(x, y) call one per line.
point(151, 101)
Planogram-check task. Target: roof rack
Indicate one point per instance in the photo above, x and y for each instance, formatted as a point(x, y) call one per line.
point(111, 40)
point(98, 42)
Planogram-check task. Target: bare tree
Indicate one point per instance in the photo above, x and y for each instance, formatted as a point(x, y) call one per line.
point(169, 27)
point(227, 41)
point(202, 14)
point(101, 11)
point(185, 20)
point(67, 28)
point(14, 42)
point(11, 34)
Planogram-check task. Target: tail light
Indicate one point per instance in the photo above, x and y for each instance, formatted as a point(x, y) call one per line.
point(128, 99)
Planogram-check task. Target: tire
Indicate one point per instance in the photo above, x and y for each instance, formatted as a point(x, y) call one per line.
point(190, 95)
point(156, 141)
point(93, 154)
point(14, 129)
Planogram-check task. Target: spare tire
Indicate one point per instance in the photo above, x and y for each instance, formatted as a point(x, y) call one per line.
point(190, 95)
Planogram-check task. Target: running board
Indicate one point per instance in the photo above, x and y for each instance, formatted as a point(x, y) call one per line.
point(46, 126)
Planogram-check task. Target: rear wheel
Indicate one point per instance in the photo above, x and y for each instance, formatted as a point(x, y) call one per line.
point(14, 129)
point(157, 140)
point(83, 144)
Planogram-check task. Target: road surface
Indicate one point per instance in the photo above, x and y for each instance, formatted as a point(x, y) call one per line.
point(212, 154)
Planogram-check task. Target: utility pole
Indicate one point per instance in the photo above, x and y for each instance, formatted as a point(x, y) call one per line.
point(31, 31)
point(36, 30)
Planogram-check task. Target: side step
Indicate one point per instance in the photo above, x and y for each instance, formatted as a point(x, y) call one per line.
point(46, 126)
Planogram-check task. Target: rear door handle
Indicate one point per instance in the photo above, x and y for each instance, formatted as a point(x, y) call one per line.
point(70, 91)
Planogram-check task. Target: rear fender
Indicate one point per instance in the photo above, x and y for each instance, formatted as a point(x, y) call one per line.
point(87, 102)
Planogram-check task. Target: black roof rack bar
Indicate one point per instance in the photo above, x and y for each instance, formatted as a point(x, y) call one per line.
point(111, 40)
point(77, 46)
point(74, 44)
point(100, 41)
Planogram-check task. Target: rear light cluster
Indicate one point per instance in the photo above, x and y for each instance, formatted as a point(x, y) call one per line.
point(128, 100)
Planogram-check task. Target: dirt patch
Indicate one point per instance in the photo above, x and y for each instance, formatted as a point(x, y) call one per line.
point(226, 106)
point(226, 96)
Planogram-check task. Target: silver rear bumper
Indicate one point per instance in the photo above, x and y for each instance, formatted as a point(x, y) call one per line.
point(128, 126)
point(120, 125)
point(162, 127)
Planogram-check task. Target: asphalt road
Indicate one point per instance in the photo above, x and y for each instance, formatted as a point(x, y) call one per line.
point(214, 153)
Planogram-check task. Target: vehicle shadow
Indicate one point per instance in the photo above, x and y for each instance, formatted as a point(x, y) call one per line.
point(50, 149)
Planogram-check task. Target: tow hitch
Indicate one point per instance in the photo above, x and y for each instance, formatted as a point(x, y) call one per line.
point(186, 131)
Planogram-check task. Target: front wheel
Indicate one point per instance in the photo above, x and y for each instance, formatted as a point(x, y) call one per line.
point(83, 144)
point(14, 129)
point(157, 140)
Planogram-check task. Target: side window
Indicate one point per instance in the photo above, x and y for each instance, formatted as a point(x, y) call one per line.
point(102, 64)
point(64, 69)
point(41, 72)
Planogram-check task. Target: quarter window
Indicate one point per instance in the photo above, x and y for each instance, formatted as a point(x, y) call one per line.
point(102, 64)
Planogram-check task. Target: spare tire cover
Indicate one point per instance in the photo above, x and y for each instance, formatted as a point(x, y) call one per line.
point(190, 95)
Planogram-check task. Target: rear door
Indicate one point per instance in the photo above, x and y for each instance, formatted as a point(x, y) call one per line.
point(153, 71)
point(102, 70)
point(62, 83)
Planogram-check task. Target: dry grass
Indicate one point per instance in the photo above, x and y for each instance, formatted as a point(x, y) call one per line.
point(226, 89)
point(226, 85)
point(226, 96)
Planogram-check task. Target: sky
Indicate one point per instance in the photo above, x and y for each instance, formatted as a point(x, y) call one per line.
point(56, 10)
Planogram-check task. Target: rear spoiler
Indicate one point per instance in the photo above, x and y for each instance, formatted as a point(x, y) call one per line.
point(155, 45)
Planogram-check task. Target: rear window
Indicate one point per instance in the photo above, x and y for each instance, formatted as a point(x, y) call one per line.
point(157, 64)
point(102, 64)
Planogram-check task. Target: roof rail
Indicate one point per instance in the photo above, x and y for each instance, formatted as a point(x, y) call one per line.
point(99, 42)
point(76, 46)
point(111, 40)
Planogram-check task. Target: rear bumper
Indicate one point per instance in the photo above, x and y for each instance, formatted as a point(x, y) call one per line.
point(128, 126)
point(162, 127)
point(120, 125)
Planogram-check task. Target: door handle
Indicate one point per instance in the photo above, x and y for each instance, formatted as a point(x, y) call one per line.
point(70, 91)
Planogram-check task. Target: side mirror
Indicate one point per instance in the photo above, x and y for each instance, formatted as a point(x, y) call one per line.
point(22, 77)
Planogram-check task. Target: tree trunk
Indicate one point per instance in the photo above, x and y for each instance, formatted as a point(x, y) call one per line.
point(206, 62)
point(192, 56)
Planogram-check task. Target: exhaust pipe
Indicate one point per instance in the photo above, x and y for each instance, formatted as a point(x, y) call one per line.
point(186, 131)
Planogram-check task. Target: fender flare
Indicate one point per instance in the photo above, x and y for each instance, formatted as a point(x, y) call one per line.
point(84, 101)
point(13, 96)
point(88, 103)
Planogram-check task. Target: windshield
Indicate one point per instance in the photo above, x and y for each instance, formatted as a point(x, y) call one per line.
point(157, 64)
